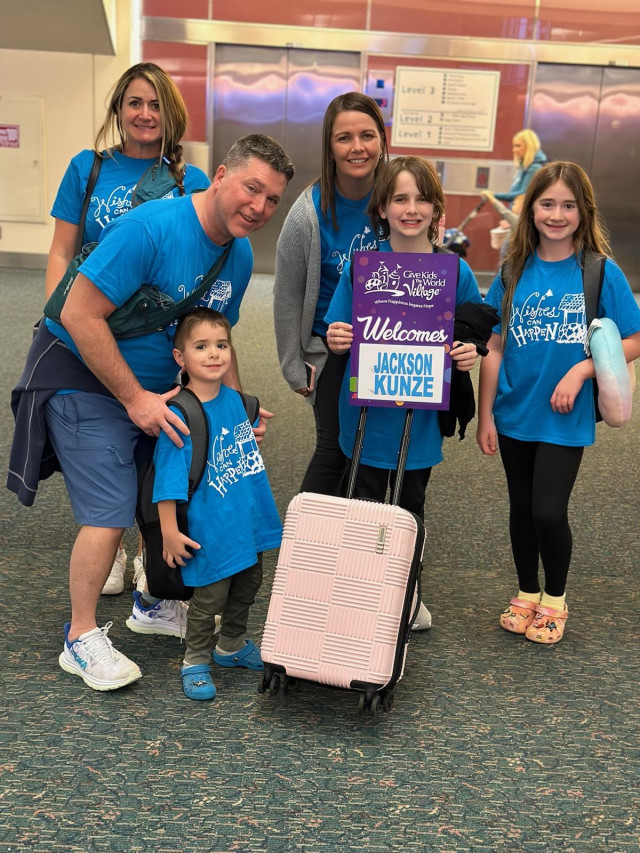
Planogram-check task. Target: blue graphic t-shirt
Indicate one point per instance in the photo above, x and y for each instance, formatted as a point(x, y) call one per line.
point(162, 244)
point(111, 196)
point(232, 514)
point(354, 234)
point(547, 330)
point(384, 424)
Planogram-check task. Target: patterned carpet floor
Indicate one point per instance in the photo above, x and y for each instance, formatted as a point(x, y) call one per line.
point(494, 744)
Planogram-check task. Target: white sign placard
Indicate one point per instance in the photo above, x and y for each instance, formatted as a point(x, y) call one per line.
point(444, 108)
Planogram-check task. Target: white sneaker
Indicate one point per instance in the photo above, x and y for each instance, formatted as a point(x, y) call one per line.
point(93, 657)
point(165, 617)
point(423, 619)
point(139, 577)
point(114, 584)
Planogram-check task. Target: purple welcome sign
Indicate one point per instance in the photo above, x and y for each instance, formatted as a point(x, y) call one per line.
point(403, 310)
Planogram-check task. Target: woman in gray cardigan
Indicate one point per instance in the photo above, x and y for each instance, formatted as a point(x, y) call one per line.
point(325, 225)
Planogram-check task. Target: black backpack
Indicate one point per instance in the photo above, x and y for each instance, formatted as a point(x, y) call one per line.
point(164, 581)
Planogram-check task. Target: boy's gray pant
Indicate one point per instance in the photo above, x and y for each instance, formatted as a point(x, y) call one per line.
point(232, 598)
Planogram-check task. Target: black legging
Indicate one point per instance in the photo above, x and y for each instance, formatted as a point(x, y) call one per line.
point(540, 478)
point(326, 469)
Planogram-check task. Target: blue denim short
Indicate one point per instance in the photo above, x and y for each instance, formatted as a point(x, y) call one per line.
point(97, 446)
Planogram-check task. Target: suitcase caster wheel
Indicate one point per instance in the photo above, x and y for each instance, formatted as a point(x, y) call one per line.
point(387, 702)
point(369, 704)
point(262, 683)
point(274, 684)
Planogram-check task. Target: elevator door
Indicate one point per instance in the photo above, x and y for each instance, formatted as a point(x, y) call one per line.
point(588, 115)
point(282, 92)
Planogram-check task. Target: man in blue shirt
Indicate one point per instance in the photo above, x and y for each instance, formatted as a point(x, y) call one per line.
point(171, 244)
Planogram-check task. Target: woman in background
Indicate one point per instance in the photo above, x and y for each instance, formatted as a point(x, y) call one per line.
point(528, 157)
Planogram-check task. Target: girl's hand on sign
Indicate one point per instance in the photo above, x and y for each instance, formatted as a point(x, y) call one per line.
point(339, 337)
point(464, 355)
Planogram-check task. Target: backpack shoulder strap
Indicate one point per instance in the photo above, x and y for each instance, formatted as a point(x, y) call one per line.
point(251, 406)
point(193, 412)
point(93, 177)
point(592, 278)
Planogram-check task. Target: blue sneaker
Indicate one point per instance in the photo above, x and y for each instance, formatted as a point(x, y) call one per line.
point(197, 682)
point(248, 657)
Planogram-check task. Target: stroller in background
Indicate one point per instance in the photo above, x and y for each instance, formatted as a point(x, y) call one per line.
point(455, 239)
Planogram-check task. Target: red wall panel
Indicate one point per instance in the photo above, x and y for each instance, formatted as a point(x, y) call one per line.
point(187, 65)
point(556, 20)
point(617, 21)
point(347, 14)
point(472, 18)
point(173, 9)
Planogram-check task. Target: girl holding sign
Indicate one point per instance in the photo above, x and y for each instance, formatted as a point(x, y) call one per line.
point(532, 403)
point(406, 206)
point(325, 225)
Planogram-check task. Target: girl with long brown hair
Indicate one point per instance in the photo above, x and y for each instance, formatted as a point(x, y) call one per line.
point(536, 398)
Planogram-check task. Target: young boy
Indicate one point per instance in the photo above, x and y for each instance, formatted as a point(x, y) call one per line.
point(232, 515)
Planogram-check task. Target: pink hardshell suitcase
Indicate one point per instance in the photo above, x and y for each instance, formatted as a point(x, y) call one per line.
point(345, 592)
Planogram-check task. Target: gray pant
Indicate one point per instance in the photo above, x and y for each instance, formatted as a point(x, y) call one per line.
point(231, 598)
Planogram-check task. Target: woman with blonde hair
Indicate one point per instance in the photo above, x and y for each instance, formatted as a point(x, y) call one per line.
point(528, 157)
point(145, 122)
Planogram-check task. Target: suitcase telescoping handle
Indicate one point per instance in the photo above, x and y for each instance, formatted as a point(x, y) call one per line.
point(402, 454)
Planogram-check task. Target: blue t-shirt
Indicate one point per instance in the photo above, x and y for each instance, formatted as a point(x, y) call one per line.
point(384, 425)
point(232, 513)
point(547, 330)
point(354, 234)
point(111, 196)
point(162, 244)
